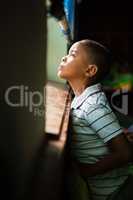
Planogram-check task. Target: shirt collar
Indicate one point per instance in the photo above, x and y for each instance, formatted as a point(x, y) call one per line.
point(77, 101)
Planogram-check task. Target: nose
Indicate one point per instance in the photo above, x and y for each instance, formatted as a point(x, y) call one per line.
point(64, 58)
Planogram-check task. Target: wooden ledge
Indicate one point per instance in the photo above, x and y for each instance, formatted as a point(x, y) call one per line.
point(57, 110)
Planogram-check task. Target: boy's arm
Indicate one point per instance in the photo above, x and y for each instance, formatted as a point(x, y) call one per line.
point(120, 155)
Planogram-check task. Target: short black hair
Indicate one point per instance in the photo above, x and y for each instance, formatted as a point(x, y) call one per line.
point(99, 55)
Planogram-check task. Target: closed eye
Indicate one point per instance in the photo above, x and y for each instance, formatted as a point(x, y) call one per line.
point(72, 53)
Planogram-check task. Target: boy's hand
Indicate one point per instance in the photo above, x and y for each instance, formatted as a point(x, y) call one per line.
point(130, 137)
point(120, 146)
point(120, 154)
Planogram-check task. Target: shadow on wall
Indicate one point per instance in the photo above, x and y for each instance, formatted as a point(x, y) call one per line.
point(23, 40)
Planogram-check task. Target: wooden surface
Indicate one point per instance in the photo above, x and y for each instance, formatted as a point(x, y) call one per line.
point(57, 108)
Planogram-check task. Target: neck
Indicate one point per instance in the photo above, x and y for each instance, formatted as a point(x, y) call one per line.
point(78, 86)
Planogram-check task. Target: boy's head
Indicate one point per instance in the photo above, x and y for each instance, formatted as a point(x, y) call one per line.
point(87, 60)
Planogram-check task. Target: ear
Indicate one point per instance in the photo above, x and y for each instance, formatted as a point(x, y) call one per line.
point(91, 70)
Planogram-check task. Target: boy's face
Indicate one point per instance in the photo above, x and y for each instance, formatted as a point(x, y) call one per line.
point(74, 65)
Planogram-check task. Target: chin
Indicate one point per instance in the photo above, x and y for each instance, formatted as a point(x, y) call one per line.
point(60, 75)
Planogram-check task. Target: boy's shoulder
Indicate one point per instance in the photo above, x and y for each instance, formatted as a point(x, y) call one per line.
point(93, 96)
point(97, 99)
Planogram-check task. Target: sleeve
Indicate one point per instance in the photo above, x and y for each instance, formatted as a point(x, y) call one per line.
point(104, 122)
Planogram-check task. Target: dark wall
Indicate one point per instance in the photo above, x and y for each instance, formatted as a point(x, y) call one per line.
point(23, 44)
point(105, 22)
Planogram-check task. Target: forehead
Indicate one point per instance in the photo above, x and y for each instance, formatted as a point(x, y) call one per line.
point(79, 48)
point(76, 46)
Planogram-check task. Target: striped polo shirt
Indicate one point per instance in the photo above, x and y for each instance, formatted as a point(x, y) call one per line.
point(93, 125)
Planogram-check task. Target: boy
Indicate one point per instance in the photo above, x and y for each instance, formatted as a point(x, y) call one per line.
point(98, 145)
